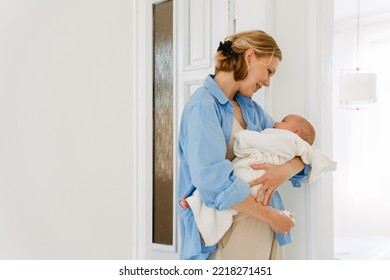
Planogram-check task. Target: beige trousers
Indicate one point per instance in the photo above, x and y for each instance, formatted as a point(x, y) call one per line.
point(248, 239)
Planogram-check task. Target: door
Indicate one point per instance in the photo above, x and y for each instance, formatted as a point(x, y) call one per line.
point(196, 32)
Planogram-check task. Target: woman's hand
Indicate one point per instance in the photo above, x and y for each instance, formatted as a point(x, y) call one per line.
point(281, 221)
point(183, 202)
point(274, 176)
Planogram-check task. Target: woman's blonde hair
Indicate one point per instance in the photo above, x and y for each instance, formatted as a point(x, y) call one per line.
point(230, 54)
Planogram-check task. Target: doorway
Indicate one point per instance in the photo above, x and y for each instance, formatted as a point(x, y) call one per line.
point(361, 228)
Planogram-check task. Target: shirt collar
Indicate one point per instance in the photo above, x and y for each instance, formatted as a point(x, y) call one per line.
point(244, 99)
point(214, 89)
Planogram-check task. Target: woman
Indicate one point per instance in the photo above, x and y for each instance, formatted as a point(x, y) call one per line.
point(245, 62)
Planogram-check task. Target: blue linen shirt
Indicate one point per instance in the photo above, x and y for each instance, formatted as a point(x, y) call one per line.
point(205, 130)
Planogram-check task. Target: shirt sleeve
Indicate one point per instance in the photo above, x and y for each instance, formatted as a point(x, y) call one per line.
point(299, 178)
point(205, 151)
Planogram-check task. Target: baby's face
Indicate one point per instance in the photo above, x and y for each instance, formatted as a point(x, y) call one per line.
point(288, 123)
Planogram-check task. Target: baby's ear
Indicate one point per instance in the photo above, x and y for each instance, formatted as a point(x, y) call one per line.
point(298, 132)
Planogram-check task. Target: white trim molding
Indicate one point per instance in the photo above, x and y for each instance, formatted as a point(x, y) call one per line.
point(318, 96)
point(142, 124)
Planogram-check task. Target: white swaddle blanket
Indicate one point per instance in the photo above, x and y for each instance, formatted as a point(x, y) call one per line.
point(276, 146)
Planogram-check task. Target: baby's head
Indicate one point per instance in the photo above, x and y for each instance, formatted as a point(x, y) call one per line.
point(300, 126)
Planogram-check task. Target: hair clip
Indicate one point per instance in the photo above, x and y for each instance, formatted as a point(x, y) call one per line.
point(226, 48)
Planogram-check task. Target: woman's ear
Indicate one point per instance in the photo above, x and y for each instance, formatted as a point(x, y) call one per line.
point(249, 54)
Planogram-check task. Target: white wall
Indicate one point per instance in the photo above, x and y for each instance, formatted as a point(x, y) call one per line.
point(65, 116)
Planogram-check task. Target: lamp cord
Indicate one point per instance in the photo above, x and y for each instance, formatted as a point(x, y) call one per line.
point(357, 35)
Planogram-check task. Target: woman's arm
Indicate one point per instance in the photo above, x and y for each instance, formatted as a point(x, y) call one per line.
point(275, 176)
point(202, 152)
point(279, 221)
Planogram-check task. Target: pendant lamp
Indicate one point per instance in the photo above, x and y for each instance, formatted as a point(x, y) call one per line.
point(357, 88)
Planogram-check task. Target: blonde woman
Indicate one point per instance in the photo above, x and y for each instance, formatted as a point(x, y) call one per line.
point(245, 62)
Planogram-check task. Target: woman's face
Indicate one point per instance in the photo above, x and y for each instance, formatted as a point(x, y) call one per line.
point(260, 71)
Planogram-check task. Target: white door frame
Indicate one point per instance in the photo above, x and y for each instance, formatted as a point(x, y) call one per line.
point(142, 127)
point(142, 106)
point(318, 88)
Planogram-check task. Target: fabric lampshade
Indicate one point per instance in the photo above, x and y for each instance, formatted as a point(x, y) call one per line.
point(357, 90)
